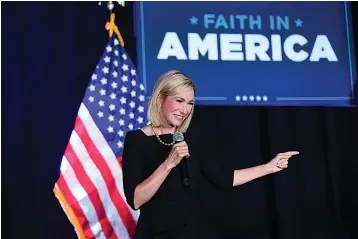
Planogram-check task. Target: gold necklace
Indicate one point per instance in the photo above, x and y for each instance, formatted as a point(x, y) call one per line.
point(161, 141)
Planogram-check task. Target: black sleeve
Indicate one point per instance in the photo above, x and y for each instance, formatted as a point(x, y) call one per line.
point(131, 167)
point(217, 173)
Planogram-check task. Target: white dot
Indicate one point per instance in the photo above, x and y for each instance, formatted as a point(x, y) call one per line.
point(258, 98)
point(237, 98)
point(244, 98)
point(252, 97)
point(264, 98)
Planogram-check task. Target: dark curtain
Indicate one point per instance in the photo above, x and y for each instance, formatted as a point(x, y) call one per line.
point(49, 51)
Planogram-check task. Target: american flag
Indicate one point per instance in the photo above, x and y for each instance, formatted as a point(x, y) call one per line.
point(90, 188)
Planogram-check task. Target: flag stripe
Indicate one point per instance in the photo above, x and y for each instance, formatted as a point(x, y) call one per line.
point(88, 185)
point(74, 218)
point(113, 162)
point(105, 171)
point(74, 194)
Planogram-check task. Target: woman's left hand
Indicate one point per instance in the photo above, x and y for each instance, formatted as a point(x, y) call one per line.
point(280, 162)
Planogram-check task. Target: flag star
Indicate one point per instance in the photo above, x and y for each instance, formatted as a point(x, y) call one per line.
point(124, 78)
point(115, 74)
point(112, 107)
point(130, 126)
point(121, 122)
point(122, 111)
point(100, 114)
point(133, 72)
point(140, 120)
point(120, 144)
point(141, 98)
point(91, 99)
point(111, 118)
point(92, 87)
point(114, 85)
point(105, 70)
point(124, 56)
point(141, 86)
point(134, 83)
point(104, 81)
point(113, 96)
point(110, 129)
point(132, 104)
point(116, 42)
point(133, 94)
point(94, 77)
point(125, 67)
point(123, 100)
point(107, 59)
point(120, 133)
point(131, 115)
point(102, 92)
point(109, 48)
point(124, 89)
point(101, 103)
point(141, 109)
point(116, 53)
point(115, 63)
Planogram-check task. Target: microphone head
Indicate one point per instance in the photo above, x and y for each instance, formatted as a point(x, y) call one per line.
point(178, 137)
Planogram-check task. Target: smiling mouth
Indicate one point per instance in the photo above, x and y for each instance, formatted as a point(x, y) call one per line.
point(180, 117)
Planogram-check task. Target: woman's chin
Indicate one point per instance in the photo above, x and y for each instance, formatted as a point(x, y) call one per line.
point(177, 123)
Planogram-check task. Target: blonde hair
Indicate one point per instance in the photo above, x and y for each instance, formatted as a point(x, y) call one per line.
point(170, 83)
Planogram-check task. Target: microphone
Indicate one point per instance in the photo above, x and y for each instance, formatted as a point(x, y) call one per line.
point(179, 137)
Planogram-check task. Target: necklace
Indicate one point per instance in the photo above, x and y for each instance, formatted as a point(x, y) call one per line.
point(161, 141)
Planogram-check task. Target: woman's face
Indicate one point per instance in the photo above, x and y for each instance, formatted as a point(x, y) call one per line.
point(176, 108)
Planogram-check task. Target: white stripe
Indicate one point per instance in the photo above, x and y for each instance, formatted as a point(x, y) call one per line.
point(81, 197)
point(107, 153)
point(96, 177)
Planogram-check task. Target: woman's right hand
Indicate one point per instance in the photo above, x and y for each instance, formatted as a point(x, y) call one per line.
point(178, 152)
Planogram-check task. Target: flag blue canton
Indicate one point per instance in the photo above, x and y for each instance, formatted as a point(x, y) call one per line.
point(115, 96)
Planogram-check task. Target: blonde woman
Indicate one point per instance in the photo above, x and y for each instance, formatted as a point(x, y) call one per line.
point(154, 165)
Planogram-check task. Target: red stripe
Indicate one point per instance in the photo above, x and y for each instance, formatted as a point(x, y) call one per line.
point(119, 160)
point(103, 167)
point(91, 190)
point(77, 210)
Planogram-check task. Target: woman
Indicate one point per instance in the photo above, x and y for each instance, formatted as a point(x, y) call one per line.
point(154, 165)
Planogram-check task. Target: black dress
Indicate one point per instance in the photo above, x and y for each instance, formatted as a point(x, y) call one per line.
point(175, 210)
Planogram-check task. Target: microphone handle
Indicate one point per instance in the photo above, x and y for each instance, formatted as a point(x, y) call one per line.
point(183, 168)
point(184, 172)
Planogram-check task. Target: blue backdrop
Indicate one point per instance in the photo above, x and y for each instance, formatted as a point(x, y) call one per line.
point(251, 53)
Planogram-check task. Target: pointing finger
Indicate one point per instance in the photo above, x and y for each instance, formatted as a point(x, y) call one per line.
point(291, 153)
